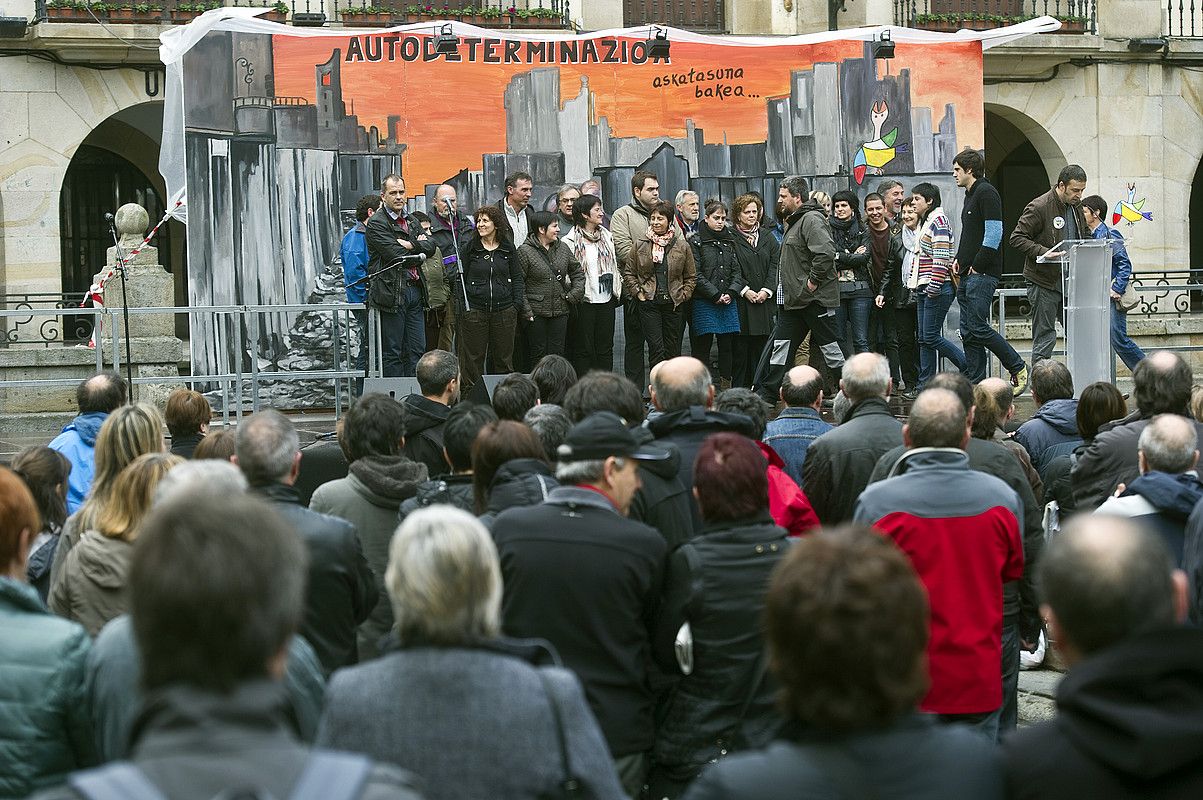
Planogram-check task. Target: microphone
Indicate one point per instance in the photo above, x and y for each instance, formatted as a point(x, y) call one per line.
point(109, 217)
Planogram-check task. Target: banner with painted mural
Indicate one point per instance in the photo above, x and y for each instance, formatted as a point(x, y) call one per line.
point(278, 132)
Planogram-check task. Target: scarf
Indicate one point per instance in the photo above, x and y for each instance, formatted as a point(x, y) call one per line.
point(659, 244)
point(910, 260)
point(752, 236)
point(605, 253)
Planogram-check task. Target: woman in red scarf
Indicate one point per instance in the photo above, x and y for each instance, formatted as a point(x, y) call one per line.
point(659, 273)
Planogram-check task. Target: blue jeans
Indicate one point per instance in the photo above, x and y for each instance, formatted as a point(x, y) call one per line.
point(975, 296)
point(932, 343)
point(1121, 343)
point(853, 311)
point(403, 335)
point(1008, 714)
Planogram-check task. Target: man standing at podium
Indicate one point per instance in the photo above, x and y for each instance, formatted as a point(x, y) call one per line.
point(1052, 218)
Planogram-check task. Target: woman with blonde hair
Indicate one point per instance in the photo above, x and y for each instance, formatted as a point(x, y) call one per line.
point(129, 432)
point(91, 586)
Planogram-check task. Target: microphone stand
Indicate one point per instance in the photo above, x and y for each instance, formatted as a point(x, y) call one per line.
point(398, 263)
point(459, 266)
point(122, 266)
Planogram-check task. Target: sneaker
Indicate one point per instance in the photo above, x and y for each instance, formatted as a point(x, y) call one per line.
point(1019, 380)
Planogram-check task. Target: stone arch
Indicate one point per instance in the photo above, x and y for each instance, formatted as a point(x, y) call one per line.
point(1008, 122)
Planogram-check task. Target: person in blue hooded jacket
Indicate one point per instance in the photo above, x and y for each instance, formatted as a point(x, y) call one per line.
point(97, 397)
point(1094, 208)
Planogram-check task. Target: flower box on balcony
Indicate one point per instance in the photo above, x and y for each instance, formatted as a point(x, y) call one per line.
point(143, 13)
point(75, 11)
point(370, 17)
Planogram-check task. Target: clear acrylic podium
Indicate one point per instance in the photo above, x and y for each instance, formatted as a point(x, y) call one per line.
point(1086, 282)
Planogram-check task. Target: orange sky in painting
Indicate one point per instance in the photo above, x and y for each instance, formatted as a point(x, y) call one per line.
point(452, 113)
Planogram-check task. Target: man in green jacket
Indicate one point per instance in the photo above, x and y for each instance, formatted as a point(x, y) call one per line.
point(808, 283)
point(1052, 218)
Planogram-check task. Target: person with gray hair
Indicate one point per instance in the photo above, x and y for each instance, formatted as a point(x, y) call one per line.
point(341, 590)
point(1129, 712)
point(550, 423)
point(219, 477)
point(689, 211)
point(454, 672)
point(684, 394)
point(838, 463)
point(1168, 488)
point(583, 576)
point(960, 528)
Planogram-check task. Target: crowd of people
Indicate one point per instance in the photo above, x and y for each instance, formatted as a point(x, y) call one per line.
point(571, 592)
point(820, 279)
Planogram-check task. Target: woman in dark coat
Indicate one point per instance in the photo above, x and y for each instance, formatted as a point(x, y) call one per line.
point(714, 312)
point(486, 327)
point(553, 281)
point(852, 262)
point(758, 252)
point(709, 628)
point(659, 274)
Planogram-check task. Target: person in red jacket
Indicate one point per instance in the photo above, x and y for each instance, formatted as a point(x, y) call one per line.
point(960, 528)
point(788, 504)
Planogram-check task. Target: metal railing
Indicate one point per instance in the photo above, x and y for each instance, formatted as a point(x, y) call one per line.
point(239, 380)
point(373, 13)
point(1184, 18)
point(20, 329)
point(1077, 16)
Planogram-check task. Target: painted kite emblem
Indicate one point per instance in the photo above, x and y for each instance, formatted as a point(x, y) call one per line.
point(1130, 210)
point(873, 156)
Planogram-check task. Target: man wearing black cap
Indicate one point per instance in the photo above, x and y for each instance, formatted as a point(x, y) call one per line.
point(581, 575)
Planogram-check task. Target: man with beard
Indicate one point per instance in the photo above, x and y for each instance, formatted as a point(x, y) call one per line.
point(449, 229)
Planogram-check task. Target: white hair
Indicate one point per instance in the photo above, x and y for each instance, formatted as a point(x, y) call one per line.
point(1169, 443)
point(210, 475)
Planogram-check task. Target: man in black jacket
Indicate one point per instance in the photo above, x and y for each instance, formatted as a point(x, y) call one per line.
point(341, 591)
point(438, 378)
point(217, 588)
point(1021, 613)
point(979, 261)
point(1129, 712)
point(393, 236)
point(580, 574)
point(838, 464)
point(683, 393)
point(662, 501)
point(450, 230)
point(456, 488)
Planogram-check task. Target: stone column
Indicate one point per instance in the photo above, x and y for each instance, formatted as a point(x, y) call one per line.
point(154, 348)
point(1130, 19)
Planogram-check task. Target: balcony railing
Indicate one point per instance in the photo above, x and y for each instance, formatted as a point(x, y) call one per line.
point(1184, 18)
point(1077, 16)
point(351, 13)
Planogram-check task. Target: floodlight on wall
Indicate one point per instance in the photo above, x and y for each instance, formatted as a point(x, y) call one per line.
point(883, 45)
point(1149, 45)
point(657, 43)
point(446, 43)
point(13, 27)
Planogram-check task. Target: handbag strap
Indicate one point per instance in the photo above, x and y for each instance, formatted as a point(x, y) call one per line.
point(570, 786)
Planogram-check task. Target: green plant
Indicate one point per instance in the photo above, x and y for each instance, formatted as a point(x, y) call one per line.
point(147, 8)
point(489, 12)
point(280, 7)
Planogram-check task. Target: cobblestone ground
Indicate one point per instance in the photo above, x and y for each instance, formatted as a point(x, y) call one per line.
point(1037, 690)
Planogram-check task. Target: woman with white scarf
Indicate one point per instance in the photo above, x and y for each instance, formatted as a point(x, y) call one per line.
point(592, 321)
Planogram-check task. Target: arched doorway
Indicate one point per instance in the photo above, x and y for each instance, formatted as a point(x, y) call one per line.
point(1195, 217)
point(1020, 158)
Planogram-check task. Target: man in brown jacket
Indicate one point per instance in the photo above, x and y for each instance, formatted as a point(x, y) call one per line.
point(1050, 219)
point(811, 290)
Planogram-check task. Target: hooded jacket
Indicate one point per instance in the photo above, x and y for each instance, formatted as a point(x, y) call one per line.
point(662, 501)
point(686, 430)
point(77, 442)
point(1162, 502)
point(1129, 724)
point(1054, 423)
point(92, 588)
point(45, 729)
point(788, 504)
point(340, 590)
point(518, 482)
point(424, 421)
point(1111, 459)
point(449, 490)
point(369, 498)
point(807, 253)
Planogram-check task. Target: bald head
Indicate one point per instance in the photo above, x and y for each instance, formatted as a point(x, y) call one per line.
point(866, 375)
point(1169, 444)
point(938, 419)
point(444, 198)
point(102, 393)
point(681, 382)
point(1162, 384)
point(1105, 579)
point(802, 388)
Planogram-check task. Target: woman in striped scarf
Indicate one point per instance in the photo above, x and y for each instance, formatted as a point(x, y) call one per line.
point(592, 319)
point(935, 286)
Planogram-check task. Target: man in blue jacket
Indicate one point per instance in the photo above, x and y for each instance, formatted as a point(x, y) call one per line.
point(354, 252)
point(97, 397)
point(1094, 208)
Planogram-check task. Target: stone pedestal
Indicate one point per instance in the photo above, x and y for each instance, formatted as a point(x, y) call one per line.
point(155, 350)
